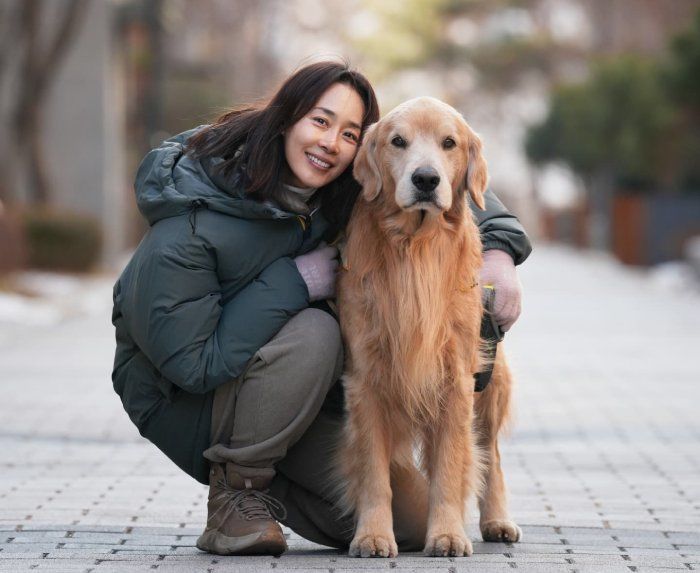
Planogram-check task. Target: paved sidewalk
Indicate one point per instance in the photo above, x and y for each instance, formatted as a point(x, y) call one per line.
point(603, 463)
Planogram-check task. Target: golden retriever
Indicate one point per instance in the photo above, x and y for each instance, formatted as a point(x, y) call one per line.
point(410, 312)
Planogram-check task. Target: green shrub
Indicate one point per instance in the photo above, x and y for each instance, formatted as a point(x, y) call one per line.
point(619, 120)
point(62, 241)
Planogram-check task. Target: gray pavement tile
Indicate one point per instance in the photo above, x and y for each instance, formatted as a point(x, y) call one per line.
point(27, 547)
point(531, 548)
point(645, 569)
point(88, 547)
point(77, 527)
point(73, 554)
point(98, 536)
point(188, 568)
point(311, 564)
point(543, 568)
point(134, 568)
point(262, 561)
point(430, 569)
point(600, 568)
point(10, 555)
point(685, 538)
point(16, 564)
point(242, 567)
point(545, 538)
point(34, 537)
point(658, 561)
point(492, 567)
point(594, 550)
point(539, 558)
point(76, 566)
point(156, 530)
point(651, 551)
point(340, 563)
point(689, 549)
point(165, 540)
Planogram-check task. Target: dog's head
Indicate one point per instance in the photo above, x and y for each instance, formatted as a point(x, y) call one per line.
point(425, 151)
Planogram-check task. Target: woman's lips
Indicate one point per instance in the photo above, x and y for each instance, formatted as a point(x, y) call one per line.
point(318, 163)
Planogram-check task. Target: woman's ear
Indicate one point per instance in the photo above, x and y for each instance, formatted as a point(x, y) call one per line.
point(477, 174)
point(366, 170)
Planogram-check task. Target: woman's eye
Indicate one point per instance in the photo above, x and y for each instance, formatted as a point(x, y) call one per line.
point(398, 141)
point(320, 120)
point(449, 143)
point(352, 136)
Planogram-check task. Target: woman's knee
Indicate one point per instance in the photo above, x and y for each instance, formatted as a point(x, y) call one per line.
point(319, 346)
point(319, 329)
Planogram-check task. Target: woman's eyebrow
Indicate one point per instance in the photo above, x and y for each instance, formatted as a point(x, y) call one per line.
point(335, 115)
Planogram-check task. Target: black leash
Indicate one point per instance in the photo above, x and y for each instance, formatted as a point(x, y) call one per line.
point(491, 334)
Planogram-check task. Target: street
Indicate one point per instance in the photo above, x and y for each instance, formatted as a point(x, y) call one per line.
point(602, 464)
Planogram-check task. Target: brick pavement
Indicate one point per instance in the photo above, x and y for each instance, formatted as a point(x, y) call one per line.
point(603, 463)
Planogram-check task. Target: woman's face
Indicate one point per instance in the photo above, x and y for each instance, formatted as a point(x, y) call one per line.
point(321, 145)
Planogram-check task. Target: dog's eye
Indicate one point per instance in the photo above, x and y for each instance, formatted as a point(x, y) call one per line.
point(398, 141)
point(449, 143)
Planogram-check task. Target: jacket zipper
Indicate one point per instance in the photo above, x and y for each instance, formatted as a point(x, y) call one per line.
point(195, 205)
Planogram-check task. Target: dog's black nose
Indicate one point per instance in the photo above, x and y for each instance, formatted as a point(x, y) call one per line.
point(425, 179)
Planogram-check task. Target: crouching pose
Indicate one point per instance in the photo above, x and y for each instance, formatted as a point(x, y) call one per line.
point(228, 356)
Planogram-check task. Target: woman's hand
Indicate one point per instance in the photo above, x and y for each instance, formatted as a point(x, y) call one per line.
point(498, 270)
point(318, 269)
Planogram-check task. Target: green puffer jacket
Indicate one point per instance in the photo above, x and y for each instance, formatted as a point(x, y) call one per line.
point(212, 281)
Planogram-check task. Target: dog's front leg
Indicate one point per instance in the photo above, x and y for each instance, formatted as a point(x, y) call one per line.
point(449, 460)
point(368, 455)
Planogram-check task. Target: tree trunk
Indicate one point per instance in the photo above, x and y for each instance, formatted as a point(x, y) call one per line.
point(35, 158)
point(36, 74)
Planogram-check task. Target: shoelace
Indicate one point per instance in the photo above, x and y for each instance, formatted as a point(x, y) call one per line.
point(252, 503)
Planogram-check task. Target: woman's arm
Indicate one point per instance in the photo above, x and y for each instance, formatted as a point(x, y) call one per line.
point(500, 229)
point(171, 307)
point(505, 245)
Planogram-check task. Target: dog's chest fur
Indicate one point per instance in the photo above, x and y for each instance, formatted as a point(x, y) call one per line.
point(415, 303)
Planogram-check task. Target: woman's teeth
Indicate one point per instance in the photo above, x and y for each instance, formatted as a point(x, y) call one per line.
point(317, 161)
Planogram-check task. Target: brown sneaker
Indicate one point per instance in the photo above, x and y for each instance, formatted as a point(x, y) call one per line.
point(241, 516)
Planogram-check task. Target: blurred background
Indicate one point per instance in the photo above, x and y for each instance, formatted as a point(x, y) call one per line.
point(589, 109)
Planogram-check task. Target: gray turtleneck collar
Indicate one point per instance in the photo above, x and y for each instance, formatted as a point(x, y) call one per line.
point(295, 199)
point(303, 193)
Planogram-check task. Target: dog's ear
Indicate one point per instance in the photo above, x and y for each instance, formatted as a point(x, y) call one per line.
point(477, 174)
point(366, 170)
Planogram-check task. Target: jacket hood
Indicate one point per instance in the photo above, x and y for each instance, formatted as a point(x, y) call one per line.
point(170, 183)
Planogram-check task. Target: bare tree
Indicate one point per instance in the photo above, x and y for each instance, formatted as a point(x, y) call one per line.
point(41, 34)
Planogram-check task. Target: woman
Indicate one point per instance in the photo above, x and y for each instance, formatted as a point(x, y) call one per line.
point(226, 349)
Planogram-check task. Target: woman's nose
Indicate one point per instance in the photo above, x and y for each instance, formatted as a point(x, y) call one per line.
point(329, 143)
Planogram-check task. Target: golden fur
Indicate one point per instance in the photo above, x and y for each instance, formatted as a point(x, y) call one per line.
point(410, 312)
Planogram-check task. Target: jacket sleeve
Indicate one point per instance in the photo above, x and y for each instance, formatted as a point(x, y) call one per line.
point(177, 320)
point(500, 229)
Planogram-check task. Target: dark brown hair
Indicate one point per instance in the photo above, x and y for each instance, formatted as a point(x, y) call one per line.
point(256, 130)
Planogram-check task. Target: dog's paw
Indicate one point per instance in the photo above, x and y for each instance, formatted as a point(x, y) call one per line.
point(373, 546)
point(501, 530)
point(448, 545)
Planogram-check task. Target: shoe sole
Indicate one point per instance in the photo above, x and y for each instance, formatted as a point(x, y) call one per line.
point(262, 543)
